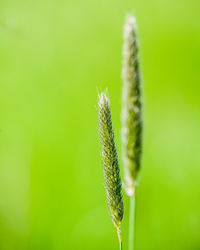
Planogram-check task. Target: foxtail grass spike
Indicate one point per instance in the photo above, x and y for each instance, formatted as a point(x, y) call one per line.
point(131, 107)
point(110, 163)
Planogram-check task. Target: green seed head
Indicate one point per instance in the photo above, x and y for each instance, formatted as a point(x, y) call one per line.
point(131, 106)
point(110, 162)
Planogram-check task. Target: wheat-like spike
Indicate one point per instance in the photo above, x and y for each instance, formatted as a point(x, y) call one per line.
point(110, 163)
point(131, 107)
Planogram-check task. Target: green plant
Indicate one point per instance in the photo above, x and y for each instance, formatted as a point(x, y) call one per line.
point(110, 164)
point(131, 118)
point(131, 135)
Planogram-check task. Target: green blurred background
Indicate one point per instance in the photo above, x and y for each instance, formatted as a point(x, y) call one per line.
point(55, 56)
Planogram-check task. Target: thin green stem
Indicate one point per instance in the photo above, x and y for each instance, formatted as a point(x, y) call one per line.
point(120, 245)
point(132, 223)
point(119, 236)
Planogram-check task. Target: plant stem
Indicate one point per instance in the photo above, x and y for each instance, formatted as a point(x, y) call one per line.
point(120, 245)
point(132, 223)
point(119, 236)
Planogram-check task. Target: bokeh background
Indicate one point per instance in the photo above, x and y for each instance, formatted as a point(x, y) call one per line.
point(56, 56)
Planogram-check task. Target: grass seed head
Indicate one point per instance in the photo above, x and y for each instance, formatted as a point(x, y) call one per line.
point(131, 107)
point(110, 162)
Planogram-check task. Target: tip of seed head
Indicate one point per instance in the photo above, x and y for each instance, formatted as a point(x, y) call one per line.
point(103, 99)
point(130, 24)
point(131, 19)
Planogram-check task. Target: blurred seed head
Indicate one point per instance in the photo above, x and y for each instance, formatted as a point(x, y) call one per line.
point(131, 107)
